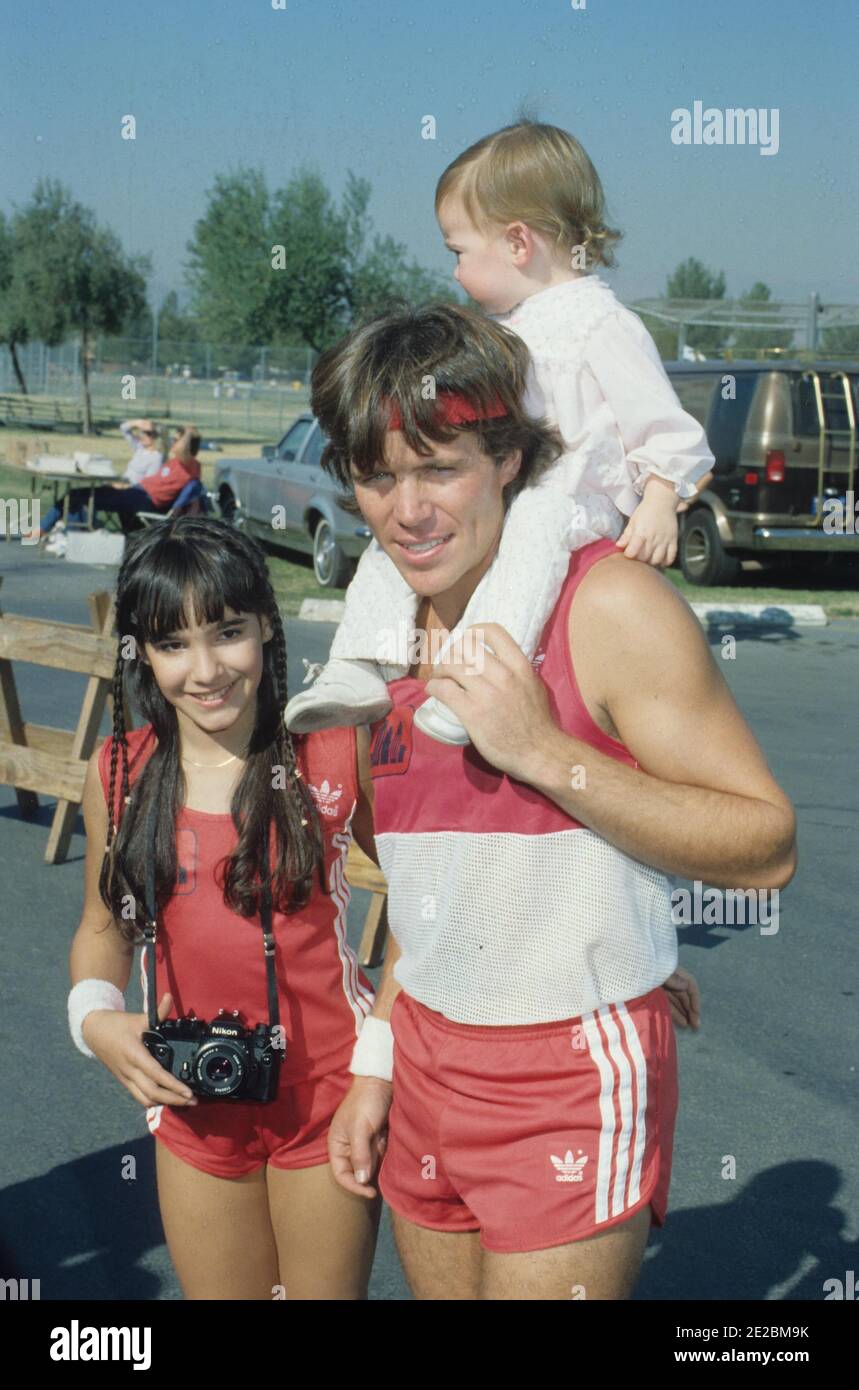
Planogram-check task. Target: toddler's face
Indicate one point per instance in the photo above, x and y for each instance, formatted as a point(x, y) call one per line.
point(483, 263)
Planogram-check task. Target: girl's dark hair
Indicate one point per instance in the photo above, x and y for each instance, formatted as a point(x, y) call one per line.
point(212, 567)
point(411, 355)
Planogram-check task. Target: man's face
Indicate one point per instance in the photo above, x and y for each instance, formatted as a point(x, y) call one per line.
point(483, 264)
point(439, 517)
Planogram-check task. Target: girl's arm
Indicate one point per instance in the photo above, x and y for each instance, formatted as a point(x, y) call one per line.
point(99, 950)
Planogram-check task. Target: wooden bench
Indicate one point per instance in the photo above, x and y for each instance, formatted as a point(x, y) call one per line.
point(39, 412)
point(361, 872)
point(35, 757)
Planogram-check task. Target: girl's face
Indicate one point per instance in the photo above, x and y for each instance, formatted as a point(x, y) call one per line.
point(486, 267)
point(210, 674)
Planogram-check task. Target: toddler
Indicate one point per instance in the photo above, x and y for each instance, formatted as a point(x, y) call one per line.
point(522, 210)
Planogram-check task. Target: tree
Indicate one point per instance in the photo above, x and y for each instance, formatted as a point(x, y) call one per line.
point(13, 326)
point(751, 340)
point(309, 288)
point(75, 274)
point(230, 260)
point(693, 281)
point(844, 340)
point(295, 267)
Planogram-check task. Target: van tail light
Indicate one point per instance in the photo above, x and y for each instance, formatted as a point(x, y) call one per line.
point(751, 478)
point(774, 472)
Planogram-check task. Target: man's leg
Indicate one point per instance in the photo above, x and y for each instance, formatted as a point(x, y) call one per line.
point(438, 1265)
point(443, 1265)
point(604, 1267)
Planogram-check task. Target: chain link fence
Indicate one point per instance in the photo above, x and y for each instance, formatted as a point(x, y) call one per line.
point(257, 397)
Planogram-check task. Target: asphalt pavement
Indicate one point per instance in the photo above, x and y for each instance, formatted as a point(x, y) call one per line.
point(765, 1185)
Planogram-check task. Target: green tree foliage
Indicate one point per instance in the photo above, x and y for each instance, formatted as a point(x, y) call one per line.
point(844, 341)
point(13, 322)
point(692, 281)
point(747, 341)
point(71, 276)
point(294, 267)
point(230, 260)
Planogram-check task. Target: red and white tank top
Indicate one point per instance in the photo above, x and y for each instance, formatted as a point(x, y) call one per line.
point(208, 957)
point(506, 909)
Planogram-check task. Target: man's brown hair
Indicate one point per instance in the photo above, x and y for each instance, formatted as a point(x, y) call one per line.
point(410, 357)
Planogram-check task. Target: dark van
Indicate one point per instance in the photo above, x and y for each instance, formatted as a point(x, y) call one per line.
point(783, 435)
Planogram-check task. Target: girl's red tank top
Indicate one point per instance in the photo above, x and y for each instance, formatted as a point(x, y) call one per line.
point(208, 957)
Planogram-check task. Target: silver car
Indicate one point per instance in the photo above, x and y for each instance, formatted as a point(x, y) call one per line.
point(285, 498)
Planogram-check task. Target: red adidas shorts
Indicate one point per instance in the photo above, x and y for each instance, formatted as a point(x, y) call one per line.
point(535, 1136)
point(230, 1139)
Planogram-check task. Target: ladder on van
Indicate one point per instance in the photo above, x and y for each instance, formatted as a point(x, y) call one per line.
point(826, 433)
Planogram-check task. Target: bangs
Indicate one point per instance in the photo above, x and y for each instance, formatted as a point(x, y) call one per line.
point(178, 575)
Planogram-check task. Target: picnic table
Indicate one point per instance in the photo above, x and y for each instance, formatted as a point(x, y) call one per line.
point(88, 481)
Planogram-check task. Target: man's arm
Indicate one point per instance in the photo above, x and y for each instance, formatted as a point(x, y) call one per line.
point(703, 803)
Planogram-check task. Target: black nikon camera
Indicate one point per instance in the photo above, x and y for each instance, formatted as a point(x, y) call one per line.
point(221, 1060)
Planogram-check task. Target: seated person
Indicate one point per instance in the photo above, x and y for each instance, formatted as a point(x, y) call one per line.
point(143, 437)
point(156, 493)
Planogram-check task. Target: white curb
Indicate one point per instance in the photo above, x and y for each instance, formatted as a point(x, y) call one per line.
point(330, 610)
point(321, 610)
point(766, 614)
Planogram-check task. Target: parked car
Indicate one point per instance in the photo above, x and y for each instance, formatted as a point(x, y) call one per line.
point(784, 439)
point(285, 498)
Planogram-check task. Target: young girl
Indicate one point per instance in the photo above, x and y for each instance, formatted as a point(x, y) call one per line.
point(205, 796)
point(523, 211)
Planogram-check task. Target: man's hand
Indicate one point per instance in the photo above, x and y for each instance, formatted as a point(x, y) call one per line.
point(684, 996)
point(504, 706)
point(358, 1134)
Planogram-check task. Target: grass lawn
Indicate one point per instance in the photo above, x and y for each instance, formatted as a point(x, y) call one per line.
point(293, 577)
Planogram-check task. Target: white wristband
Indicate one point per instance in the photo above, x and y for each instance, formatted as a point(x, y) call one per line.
point(373, 1054)
point(87, 996)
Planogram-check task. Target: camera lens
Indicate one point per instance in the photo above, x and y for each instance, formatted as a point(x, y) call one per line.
point(220, 1067)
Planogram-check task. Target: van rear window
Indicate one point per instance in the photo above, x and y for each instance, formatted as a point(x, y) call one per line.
point(729, 411)
point(835, 411)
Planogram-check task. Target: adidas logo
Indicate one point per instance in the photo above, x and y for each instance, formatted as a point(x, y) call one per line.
point(537, 660)
point(569, 1169)
point(325, 798)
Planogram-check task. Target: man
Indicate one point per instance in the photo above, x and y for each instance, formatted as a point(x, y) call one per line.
point(530, 1131)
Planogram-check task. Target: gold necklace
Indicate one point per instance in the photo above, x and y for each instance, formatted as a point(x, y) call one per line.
point(233, 759)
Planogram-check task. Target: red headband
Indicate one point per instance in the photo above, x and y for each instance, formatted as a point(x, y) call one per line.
point(452, 409)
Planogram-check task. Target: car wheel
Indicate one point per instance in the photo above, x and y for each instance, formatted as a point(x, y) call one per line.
point(703, 558)
point(332, 568)
point(231, 510)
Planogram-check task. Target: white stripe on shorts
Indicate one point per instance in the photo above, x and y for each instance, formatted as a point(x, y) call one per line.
point(612, 1172)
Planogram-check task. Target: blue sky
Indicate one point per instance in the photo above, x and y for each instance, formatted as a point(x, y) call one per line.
point(344, 84)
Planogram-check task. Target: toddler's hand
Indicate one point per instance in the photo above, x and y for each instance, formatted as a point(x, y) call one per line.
point(651, 533)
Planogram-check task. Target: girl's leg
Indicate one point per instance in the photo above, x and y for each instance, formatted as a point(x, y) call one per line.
point(218, 1230)
point(325, 1236)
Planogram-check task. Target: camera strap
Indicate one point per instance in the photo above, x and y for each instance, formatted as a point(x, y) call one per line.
point(151, 924)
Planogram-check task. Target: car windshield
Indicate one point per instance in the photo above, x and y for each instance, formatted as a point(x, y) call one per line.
point(294, 438)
